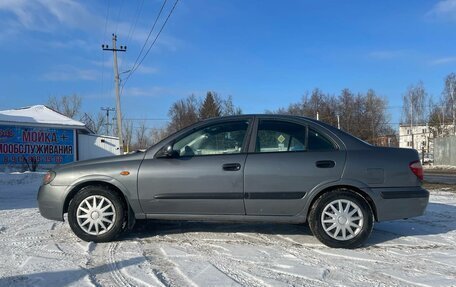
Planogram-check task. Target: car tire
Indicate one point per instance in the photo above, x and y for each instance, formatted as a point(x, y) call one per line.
point(97, 214)
point(341, 219)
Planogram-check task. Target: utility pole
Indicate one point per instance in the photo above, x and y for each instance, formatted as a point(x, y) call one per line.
point(107, 109)
point(117, 81)
point(338, 121)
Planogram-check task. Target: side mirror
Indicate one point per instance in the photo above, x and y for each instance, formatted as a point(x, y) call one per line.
point(168, 151)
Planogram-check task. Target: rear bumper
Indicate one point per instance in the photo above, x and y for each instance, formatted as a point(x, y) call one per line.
point(400, 203)
point(51, 201)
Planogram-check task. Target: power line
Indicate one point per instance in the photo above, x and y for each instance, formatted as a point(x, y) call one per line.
point(132, 28)
point(118, 15)
point(158, 35)
point(151, 45)
point(147, 119)
point(102, 54)
point(148, 36)
point(136, 18)
point(147, 40)
point(107, 17)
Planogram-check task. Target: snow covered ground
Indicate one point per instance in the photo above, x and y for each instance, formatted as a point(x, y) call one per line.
point(38, 252)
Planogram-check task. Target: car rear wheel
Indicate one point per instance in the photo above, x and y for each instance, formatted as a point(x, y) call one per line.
point(96, 214)
point(341, 219)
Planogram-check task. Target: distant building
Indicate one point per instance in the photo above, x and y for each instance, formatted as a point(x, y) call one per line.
point(422, 138)
point(417, 137)
point(39, 137)
point(387, 140)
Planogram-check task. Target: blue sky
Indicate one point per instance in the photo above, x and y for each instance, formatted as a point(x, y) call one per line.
point(265, 54)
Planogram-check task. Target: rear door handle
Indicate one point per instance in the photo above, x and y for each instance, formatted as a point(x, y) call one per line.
point(325, 164)
point(231, 166)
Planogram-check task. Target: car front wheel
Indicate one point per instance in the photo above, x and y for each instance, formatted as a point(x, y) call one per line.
point(96, 214)
point(341, 219)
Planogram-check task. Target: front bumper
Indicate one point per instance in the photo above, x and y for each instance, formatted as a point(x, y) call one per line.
point(400, 203)
point(51, 200)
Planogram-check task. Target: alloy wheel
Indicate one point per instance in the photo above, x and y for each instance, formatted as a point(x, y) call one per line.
point(342, 219)
point(96, 215)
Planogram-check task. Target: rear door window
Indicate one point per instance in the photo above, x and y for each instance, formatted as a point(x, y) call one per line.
point(318, 142)
point(280, 136)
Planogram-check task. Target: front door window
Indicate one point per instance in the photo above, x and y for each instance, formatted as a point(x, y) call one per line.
point(217, 139)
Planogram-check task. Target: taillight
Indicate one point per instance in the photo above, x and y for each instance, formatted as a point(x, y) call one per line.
point(417, 169)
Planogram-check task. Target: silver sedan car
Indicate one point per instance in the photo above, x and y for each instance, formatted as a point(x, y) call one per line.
point(248, 168)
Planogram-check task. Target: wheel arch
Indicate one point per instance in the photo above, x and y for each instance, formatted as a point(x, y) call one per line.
point(346, 187)
point(76, 188)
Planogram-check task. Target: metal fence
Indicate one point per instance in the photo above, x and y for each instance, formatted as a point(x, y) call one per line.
point(445, 151)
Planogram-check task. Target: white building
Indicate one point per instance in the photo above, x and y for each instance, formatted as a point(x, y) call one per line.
point(421, 138)
point(418, 137)
point(39, 137)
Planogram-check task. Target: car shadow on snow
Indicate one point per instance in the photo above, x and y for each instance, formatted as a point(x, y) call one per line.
point(150, 228)
point(438, 219)
point(66, 277)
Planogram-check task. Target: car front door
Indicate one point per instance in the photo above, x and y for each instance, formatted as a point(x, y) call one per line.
point(203, 176)
point(290, 159)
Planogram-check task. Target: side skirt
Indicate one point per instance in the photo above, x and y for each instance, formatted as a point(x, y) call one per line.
point(229, 218)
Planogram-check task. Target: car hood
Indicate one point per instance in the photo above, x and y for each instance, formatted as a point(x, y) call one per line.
point(103, 160)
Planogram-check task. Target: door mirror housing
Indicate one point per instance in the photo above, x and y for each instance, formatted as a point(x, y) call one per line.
point(168, 151)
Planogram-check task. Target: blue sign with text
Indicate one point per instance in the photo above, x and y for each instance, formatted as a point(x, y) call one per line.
point(40, 145)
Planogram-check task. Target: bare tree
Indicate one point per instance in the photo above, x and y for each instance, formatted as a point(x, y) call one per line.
point(375, 117)
point(228, 108)
point(183, 113)
point(435, 121)
point(187, 111)
point(142, 139)
point(127, 134)
point(363, 115)
point(414, 105)
point(94, 123)
point(449, 99)
point(347, 111)
point(157, 134)
point(67, 105)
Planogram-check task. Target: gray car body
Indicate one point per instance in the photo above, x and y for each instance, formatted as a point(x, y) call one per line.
point(273, 187)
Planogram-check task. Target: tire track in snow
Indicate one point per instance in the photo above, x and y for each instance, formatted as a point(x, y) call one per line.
point(231, 265)
point(383, 268)
point(240, 270)
point(114, 269)
point(162, 267)
point(313, 254)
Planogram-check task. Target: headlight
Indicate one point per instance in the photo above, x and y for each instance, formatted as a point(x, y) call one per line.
point(48, 177)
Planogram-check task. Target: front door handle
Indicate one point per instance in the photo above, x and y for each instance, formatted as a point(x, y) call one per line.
point(325, 164)
point(232, 166)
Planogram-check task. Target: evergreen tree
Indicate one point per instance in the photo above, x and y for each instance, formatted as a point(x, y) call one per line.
point(210, 107)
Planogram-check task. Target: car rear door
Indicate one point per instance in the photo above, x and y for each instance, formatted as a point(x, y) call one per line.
point(205, 176)
point(288, 160)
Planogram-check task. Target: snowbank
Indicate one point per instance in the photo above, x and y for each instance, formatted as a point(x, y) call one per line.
point(38, 252)
point(440, 167)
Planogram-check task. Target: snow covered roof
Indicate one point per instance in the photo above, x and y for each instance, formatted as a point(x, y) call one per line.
point(38, 114)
